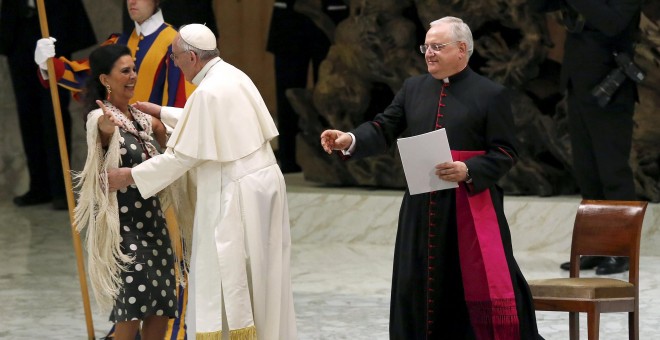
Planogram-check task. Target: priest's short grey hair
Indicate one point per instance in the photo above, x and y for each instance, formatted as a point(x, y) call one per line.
point(460, 31)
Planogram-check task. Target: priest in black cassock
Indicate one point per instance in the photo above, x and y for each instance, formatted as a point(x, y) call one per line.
point(454, 276)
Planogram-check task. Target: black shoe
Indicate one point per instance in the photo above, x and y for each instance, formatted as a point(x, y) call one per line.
point(613, 265)
point(31, 198)
point(586, 262)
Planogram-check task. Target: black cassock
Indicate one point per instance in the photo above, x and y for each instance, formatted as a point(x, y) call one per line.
point(428, 300)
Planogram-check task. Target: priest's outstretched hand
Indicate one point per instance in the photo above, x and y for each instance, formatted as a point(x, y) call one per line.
point(335, 140)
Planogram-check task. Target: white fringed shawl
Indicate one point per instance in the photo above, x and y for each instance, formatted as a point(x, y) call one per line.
point(97, 210)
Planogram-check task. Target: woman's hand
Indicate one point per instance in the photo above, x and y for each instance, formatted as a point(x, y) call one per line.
point(106, 124)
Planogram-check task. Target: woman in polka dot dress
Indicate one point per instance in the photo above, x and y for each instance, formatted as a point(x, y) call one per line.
point(131, 259)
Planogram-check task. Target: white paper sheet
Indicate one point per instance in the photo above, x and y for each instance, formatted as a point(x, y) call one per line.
point(420, 154)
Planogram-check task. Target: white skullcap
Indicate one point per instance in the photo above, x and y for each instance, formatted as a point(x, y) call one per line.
point(198, 36)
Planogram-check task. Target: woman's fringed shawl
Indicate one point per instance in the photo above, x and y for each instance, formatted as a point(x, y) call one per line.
point(97, 209)
point(182, 196)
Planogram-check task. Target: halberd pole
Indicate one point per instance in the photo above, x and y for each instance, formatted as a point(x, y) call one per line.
point(66, 170)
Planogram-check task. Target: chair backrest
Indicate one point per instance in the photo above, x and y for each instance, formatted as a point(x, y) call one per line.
point(608, 228)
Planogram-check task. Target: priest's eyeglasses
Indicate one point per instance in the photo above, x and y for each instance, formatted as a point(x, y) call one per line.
point(435, 47)
point(173, 56)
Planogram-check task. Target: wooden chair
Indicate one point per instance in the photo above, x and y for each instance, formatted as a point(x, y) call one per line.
point(604, 228)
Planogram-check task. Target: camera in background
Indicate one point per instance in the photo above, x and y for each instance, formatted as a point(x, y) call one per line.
point(626, 69)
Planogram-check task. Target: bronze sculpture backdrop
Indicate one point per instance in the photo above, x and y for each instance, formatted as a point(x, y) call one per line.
point(375, 49)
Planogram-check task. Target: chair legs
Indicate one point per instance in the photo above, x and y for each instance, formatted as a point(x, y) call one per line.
point(633, 325)
point(574, 325)
point(593, 324)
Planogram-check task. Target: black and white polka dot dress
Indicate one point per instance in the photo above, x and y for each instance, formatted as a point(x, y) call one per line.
point(150, 284)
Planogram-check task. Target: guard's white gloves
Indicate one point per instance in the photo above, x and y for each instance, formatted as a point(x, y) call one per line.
point(45, 49)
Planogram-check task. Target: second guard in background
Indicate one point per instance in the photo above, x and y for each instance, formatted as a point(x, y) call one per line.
point(296, 41)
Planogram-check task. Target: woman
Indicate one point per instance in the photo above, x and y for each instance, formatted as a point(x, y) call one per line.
point(131, 260)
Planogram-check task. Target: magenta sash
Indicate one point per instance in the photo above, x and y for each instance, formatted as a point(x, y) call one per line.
point(486, 279)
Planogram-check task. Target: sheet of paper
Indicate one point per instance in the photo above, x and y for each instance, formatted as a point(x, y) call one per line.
point(420, 154)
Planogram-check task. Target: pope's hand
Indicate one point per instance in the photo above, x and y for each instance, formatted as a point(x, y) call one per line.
point(335, 140)
point(44, 51)
point(148, 108)
point(119, 178)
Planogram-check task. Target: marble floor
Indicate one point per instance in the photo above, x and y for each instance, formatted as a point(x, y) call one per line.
point(341, 265)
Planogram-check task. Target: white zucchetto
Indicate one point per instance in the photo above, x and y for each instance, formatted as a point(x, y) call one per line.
point(198, 36)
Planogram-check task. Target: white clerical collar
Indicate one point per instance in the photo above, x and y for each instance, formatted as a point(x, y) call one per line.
point(150, 25)
point(202, 73)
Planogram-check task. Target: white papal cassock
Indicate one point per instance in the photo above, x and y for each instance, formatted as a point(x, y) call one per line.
point(239, 276)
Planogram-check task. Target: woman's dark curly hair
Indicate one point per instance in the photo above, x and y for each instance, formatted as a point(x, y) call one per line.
point(101, 61)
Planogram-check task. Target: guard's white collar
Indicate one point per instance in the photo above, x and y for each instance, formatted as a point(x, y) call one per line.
point(150, 25)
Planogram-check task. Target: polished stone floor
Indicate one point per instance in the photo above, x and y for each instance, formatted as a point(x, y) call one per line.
point(341, 265)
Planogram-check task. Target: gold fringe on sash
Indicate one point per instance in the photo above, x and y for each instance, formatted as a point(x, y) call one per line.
point(247, 333)
point(209, 335)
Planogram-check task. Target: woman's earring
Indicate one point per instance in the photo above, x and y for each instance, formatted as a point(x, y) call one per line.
point(107, 89)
